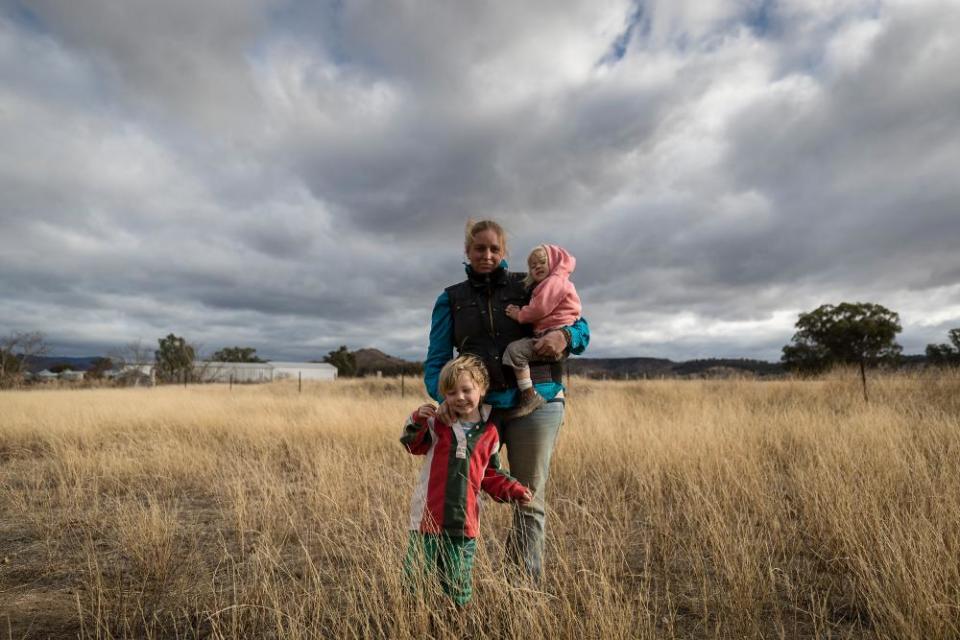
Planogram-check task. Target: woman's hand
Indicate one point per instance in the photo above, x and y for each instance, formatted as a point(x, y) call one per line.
point(552, 345)
point(512, 311)
point(526, 499)
point(426, 411)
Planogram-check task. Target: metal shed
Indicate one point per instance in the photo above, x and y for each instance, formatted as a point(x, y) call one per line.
point(236, 371)
point(304, 370)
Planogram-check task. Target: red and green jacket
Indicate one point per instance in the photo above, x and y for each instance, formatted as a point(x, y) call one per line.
point(460, 462)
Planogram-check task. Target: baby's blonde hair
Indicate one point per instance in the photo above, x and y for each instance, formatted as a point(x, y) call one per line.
point(474, 227)
point(470, 365)
point(539, 250)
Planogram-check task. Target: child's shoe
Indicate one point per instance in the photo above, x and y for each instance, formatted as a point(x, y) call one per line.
point(530, 401)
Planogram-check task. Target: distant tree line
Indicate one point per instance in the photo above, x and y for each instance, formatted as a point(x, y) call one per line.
point(859, 334)
point(945, 355)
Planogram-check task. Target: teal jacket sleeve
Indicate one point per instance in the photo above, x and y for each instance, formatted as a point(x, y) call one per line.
point(441, 345)
point(579, 336)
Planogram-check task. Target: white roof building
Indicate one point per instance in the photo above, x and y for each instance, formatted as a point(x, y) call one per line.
point(213, 371)
point(304, 370)
point(223, 372)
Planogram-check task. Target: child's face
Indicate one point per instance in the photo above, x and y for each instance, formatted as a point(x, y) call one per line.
point(537, 263)
point(465, 396)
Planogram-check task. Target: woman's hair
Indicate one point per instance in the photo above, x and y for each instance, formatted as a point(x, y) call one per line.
point(470, 365)
point(539, 250)
point(473, 228)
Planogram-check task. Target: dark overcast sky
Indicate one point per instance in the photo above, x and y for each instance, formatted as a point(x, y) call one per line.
point(296, 175)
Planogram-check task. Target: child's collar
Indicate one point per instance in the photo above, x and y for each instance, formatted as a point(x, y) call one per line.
point(485, 411)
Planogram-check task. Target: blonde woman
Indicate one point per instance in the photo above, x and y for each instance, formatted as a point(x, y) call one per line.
point(470, 318)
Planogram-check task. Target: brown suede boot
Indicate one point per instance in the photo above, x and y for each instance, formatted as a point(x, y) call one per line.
point(530, 401)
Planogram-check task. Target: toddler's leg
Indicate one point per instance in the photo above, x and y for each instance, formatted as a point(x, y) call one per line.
point(518, 356)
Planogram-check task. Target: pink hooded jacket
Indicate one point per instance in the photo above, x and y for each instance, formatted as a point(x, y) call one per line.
point(554, 302)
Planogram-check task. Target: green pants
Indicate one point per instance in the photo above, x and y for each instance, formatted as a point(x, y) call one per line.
point(440, 556)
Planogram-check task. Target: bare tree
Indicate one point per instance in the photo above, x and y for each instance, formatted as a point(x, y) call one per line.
point(131, 360)
point(17, 349)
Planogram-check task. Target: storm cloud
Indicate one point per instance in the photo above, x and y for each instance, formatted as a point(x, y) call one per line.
point(294, 176)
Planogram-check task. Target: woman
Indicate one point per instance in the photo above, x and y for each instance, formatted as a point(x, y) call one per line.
point(470, 317)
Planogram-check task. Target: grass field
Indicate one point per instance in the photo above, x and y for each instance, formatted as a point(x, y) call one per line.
point(687, 509)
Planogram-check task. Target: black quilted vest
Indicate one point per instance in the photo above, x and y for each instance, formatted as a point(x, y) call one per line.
point(481, 328)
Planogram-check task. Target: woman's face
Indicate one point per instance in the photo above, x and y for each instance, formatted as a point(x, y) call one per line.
point(485, 251)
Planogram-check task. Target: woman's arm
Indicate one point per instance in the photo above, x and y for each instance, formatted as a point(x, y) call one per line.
point(441, 345)
point(579, 336)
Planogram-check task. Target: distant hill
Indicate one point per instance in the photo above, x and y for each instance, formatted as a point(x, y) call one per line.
point(663, 368)
point(620, 367)
point(369, 361)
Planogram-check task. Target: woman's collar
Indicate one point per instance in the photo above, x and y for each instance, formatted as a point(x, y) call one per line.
point(496, 276)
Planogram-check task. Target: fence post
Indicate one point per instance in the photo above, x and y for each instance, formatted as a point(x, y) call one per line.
point(231, 382)
point(299, 381)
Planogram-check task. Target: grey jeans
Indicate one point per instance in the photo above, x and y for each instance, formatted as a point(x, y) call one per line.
point(529, 442)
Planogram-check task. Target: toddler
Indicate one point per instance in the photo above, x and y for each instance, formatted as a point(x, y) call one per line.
point(462, 458)
point(554, 304)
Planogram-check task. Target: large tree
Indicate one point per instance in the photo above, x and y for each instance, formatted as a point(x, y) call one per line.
point(945, 355)
point(343, 360)
point(859, 333)
point(174, 358)
point(236, 354)
point(17, 349)
point(132, 361)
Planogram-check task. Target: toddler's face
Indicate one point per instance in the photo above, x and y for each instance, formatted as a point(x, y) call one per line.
point(537, 263)
point(465, 396)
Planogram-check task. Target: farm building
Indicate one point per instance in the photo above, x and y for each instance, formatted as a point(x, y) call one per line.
point(235, 371)
point(241, 372)
point(304, 370)
point(135, 374)
point(262, 371)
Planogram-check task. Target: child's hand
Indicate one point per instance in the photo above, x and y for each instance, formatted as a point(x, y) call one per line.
point(446, 414)
point(526, 499)
point(512, 311)
point(427, 411)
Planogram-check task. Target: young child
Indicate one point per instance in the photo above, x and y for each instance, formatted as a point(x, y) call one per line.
point(461, 460)
point(553, 305)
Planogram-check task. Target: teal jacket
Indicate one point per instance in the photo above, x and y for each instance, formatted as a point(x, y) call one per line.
point(441, 349)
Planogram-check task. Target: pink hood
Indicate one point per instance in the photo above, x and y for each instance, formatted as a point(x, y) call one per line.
point(560, 262)
point(554, 302)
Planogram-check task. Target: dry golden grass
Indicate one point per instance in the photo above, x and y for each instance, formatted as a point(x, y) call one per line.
point(688, 509)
